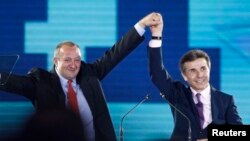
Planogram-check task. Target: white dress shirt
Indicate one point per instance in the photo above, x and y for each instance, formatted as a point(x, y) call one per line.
point(206, 101)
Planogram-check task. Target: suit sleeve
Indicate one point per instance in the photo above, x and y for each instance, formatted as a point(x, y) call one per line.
point(232, 113)
point(21, 85)
point(158, 74)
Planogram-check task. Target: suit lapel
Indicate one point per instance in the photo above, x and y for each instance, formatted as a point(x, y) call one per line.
point(194, 109)
point(87, 90)
point(58, 88)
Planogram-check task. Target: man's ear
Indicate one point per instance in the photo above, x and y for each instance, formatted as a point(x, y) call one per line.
point(55, 60)
point(184, 76)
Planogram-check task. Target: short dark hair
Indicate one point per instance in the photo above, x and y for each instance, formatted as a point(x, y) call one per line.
point(193, 55)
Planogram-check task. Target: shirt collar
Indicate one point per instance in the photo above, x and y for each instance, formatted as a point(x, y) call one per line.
point(205, 94)
point(64, 81)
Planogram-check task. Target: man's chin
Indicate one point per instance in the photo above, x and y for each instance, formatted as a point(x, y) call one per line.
point(198, 88)
point(71, 77)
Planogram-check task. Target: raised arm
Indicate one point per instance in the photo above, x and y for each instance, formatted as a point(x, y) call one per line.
point(158, 73)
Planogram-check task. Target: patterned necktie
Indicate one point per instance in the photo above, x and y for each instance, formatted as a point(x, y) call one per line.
point(72, 99)
point(199, 107)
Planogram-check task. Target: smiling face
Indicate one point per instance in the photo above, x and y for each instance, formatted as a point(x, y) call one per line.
point(197, 74)
point(68, 61)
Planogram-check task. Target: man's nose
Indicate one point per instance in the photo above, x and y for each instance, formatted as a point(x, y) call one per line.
point(73, 63)
point(199, 73)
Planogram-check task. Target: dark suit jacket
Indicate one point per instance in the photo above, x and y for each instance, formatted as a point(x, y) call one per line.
point(224, 111)
point(43, 88)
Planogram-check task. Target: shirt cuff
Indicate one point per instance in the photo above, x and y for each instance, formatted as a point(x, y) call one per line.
point(139, 29)
point(155, 43)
